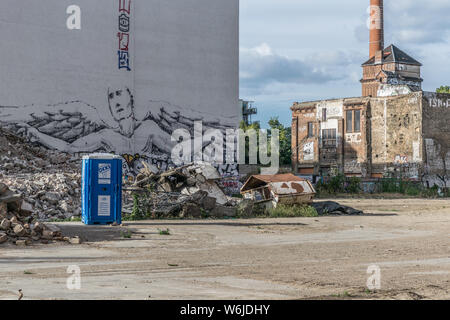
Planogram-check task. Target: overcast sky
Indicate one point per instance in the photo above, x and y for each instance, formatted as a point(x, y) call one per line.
point(301, 50)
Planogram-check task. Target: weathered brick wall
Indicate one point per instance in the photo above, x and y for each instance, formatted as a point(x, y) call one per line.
point(404, 136)
point(396, 136)
point(305, 149)
point(355, 154)
point(436, 134)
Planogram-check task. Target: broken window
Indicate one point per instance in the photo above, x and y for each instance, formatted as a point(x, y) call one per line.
point(310, 130)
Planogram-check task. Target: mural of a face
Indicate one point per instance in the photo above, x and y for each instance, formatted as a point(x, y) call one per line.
point(121, 104)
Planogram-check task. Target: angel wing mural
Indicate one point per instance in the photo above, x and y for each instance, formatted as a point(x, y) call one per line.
point(78, 127)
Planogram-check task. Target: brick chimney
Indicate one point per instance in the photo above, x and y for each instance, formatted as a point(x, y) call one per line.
point(376, 27)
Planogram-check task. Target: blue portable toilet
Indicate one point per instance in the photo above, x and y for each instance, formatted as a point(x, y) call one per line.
point(101, 189)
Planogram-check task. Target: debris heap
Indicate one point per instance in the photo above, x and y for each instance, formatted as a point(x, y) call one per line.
point(187, 191)
point(50, 180)
point(17, 224)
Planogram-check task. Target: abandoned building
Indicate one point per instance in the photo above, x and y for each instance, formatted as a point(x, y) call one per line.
point(394, 129)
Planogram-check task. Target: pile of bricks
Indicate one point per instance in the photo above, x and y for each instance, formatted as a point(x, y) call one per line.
point(17, 225)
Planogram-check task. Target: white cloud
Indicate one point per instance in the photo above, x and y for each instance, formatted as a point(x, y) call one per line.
point(261, 67)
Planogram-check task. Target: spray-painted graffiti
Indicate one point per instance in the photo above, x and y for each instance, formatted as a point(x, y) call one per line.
point(396, 81)
point(352, 166)
point(308, 151)
point(437, 101)
point(353, 137)
point(124, 34)
point(227, 170)
point(231, 186)
point(437, 166)
point(401, 160)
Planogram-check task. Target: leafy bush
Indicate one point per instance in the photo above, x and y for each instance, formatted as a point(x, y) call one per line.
point(412, 191)
point(354, 185)
point(390, 185)
point(290, 211)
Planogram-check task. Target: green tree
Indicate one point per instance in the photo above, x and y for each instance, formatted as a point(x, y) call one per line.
point(285, 140)
point(255, 126)
point(443, 89)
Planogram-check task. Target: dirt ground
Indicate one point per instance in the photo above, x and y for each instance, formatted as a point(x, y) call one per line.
point(298, 258)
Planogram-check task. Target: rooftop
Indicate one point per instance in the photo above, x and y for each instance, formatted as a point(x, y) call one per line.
point(394, 54)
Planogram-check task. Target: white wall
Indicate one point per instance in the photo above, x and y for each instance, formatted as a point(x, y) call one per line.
point(183, 53)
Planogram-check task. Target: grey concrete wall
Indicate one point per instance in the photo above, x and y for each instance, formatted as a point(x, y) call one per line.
point(64, 89)
point(436, 130)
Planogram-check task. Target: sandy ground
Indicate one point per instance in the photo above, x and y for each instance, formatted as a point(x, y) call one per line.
point(299, 258)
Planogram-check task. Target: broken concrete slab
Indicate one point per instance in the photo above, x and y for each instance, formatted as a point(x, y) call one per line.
point(209, 203)
point(22, 242)
point(19, 230)
point(223, 211)
point(191, 210)
point(75, 240)
point(26, 209)
point(3, 237)
point(5, 224)
point(3, 188)
point(10, 197)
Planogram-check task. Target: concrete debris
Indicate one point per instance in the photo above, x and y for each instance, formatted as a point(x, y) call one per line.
point(188, 191)
point(49, 180)
point(334, 208)
point(19, 226)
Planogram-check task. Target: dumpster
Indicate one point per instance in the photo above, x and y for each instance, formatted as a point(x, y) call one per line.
point(101, 194)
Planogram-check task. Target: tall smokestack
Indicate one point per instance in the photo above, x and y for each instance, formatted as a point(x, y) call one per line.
point(376, 27)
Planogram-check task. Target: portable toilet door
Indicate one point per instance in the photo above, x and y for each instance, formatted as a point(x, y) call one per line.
point(102, 194)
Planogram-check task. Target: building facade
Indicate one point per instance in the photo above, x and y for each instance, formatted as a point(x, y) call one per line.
point(394, 129)
point(132, 73)
point(403, 136)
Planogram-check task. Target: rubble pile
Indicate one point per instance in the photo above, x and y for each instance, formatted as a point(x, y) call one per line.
point(184, 192)
point(18, 226)
point(50, 180)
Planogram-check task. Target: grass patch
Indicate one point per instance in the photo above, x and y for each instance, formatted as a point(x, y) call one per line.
point(163, 232)
point(28, 272)
point(126, 235)
point(286, 211)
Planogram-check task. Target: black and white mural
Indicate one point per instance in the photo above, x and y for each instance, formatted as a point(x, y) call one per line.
point(78, 127)
point(122, 81)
